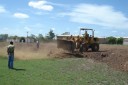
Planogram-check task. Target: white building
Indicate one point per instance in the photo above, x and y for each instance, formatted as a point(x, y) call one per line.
point(125, 42)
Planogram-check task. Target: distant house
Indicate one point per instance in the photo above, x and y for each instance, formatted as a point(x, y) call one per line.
point(125, 42)
point(14, 40)
point(1, 39)
point(102, 40)
point(66, 33)
point(29, 40)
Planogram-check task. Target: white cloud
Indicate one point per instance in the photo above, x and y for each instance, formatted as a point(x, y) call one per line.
point(42, 5)
point(39, 13)
point(27, 28)
point(2, 9)
point(53, 29)
point(101, 15)
point(21, 15)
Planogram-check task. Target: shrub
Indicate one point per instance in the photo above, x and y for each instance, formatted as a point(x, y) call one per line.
point(111, 40)
point(119, 40)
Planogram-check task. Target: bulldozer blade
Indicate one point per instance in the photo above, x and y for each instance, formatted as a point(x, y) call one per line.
point(65, 45)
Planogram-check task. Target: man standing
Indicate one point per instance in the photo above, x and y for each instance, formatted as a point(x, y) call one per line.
point(37, 44)
point(10, 51)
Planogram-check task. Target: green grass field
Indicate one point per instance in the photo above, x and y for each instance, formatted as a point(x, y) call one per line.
point(68, 71)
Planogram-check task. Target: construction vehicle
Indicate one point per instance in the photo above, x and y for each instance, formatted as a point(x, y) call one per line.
point(80, 43)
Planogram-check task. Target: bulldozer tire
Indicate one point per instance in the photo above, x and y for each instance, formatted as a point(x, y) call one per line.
point(81, 48)
point(85, 47)
point(95, 47)
point(72, 44)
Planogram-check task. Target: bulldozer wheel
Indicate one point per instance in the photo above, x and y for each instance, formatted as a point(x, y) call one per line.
point(95, 47)
point(81, 48)
point(85, 47)
point(72, 47)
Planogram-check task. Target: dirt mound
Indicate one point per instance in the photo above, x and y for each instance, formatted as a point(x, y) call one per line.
point(116, 56)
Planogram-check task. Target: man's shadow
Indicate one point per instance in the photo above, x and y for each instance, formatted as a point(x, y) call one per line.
point(19, 69)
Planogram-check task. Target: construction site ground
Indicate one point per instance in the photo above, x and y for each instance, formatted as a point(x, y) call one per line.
point(115, 56)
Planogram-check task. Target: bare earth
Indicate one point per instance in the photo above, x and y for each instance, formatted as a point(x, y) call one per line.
point(116, 56)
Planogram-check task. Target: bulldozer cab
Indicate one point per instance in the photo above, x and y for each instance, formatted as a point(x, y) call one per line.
point(86, 32)
point(88, 35)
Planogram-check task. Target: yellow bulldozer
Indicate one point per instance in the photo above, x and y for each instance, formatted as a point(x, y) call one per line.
point(80, 43)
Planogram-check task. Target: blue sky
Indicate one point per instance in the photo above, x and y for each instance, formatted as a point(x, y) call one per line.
point(106, 17)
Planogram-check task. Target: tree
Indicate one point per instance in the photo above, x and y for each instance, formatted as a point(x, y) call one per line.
point(50, 35)
point(111, 40)
point(15, 37)
point(3, 36)
point(119, 40)
point(33, 37)
point(40, 37)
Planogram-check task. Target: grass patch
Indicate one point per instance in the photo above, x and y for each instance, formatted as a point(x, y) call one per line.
point(68, 71)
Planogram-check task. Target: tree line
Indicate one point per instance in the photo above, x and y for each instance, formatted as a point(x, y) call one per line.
point(50, 36)
point(114, 40)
